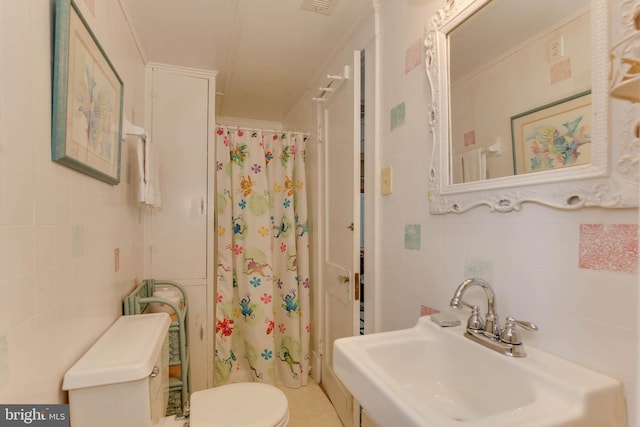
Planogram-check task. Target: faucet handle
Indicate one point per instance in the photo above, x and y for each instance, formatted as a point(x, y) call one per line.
point(510, 335)
point(529, 326)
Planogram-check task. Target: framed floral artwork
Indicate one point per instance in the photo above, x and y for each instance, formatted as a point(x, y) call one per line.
point(553, 136)
point(87, 99)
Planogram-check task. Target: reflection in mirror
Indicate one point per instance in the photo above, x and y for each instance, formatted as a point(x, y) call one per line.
point(529, 81)
point(517, 73)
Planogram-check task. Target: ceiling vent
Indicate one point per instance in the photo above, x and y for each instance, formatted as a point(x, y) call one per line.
point(324, 7)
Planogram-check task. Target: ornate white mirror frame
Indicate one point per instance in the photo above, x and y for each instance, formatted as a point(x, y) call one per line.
point(610, 181)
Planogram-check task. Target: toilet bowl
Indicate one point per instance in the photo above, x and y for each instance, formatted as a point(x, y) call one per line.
point(239, 405)
point(123, 380)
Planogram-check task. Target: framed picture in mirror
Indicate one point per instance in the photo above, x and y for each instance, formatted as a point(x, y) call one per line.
point(553, 136)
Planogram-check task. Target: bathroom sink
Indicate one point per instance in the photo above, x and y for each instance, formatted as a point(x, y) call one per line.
point(433, 376)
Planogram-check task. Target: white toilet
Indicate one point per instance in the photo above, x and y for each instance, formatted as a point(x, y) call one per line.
point(123, 381)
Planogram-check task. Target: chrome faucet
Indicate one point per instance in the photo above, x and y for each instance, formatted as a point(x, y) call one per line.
point(491, 325)
point(489, 332)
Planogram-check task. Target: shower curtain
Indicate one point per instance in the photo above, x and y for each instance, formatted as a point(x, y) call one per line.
point(262, 300)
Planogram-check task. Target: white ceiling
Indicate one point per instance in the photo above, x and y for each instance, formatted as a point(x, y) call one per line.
point(266, 52)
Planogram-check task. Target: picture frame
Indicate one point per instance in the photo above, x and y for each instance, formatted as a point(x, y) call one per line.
point(87, 107)
point(553, 136)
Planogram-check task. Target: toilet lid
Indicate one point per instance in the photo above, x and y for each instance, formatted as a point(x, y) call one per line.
point(239, 405)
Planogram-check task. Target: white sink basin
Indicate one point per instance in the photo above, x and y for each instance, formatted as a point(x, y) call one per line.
point(433, 376)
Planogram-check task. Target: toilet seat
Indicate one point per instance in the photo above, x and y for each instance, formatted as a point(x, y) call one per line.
point(239, 405)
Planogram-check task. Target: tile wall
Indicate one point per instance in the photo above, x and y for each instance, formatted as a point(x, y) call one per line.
point(59, 229)
point(573, 273)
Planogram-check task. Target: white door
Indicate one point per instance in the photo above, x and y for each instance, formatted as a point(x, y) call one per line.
point(342, 230)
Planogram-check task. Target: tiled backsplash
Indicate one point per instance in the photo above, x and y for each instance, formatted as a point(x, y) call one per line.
point(609, 247)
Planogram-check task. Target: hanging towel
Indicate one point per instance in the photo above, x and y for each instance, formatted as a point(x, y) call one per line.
point(148, 166)
point(148, 173)
point(142, 186)
point(152, 174)
point(474, 165)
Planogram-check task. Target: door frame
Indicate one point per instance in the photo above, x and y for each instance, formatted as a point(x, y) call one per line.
point(338, 293)
point(317, 165)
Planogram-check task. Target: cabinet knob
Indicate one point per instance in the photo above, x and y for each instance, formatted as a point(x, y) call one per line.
point(197, 207)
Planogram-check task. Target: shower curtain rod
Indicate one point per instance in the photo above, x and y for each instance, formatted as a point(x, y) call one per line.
point(249, 129)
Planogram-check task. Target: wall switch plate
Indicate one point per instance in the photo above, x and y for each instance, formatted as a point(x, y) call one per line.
point(386, 187)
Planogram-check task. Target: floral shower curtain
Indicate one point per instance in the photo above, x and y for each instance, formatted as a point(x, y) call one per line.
point(262, 300)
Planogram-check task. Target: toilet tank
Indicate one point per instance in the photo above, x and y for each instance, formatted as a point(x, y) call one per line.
point(123, 379)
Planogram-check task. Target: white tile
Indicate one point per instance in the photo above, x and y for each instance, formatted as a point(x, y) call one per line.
point(617, 305)
point(511, 242)
point(412, 263)
point(545, 289)
point(20, 251)
point(454, 238)
point(13, 38)
point(609, 347)
point(4, 306)
point(44, 202)
point(3, 252)
point(21, 295)
point(18, 199)
point(478, 241)
point(63, 206)
point(45, 246)
point(432, 237)
point(63, 238)
point(557, 331)
point(429, 267)
point(63, 281)
point(3, 184)
point(45, 289)
point(411, 207)
point(44, 167)
point(53, 367)
point(23, 359)
point(563, 252)
point(451, 271)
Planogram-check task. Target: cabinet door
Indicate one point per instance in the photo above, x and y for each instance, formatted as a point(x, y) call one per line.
point(180, 109)
point(197, 297)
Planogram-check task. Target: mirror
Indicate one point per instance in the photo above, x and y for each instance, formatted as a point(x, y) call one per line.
point(520, 107)
point(509, 101)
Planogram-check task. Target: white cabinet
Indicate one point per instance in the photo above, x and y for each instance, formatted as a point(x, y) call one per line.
point(182, 123)
point(179, 130)
point(197, 296)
